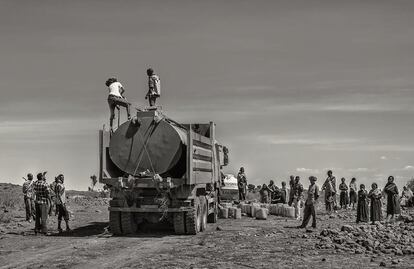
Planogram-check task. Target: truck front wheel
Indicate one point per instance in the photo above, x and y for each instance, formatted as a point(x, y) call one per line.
point(115, 222)
point(193, 218)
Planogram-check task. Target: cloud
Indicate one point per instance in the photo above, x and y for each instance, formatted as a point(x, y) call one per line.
point(408, 167)
point(360, 169)
point(383, 158)
point(292, 140)
point(307, 170)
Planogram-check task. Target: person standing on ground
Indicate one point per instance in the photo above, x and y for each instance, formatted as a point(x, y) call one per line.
point(393, 205)
point(406, 197)
point(353, 193)
point(116, 98)
point(297, 196)
point(291, 183)
point(28, 198)
point(362, 206)
point(343, 188)
point(376, 205)
point(284, 193)
point(154, 87)
point(41, 190)
point(241, 184)
point(313, 195)
point(61, 208)
point(329, 186)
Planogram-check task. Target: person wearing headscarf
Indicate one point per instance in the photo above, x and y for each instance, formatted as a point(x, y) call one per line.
point(393, 205)
point(344, 194)
point(242, 184)
point(353, 193)
point(291, 183)
point(264, 194)
point(329, 186)
point(284, 193)
point(406, 197)
point(375, 196)
point(362, 205)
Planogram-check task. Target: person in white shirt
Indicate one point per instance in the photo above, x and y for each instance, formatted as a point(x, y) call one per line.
point(116, 98)
point(154, 87)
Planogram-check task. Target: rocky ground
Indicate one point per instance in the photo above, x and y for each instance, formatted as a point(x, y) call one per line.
point(246, 243)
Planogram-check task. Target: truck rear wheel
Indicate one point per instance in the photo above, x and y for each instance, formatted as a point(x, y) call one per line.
point(204, 213)
point(193, 218)
point(115, 222)
point(179, 222)
point(128, 223)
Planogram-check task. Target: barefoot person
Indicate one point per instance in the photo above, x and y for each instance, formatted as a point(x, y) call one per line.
point(362, 206)
point(393, 205)
point(329, 186)
point(313, 195)
point(352, 193)
point(28, 198)
point(41, 190)
point(343, 188)
point(62, 211)
point(154, 87)
point(241, 184)
point(297, 196)
point(376, 204)
point(116, 98)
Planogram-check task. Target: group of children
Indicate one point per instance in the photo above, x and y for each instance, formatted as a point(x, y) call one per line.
point(40, 198)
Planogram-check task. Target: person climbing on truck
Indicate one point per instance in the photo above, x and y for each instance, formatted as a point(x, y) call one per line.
point(154, 87)
point(116, 98)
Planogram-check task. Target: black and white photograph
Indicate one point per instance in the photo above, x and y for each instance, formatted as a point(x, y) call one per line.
point(206, 134)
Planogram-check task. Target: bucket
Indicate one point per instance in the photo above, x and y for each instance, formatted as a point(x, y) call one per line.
point(261, 213)
point(224, 212)
point(238, 213)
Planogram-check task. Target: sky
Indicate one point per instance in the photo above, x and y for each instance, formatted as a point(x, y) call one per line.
point(295, 87)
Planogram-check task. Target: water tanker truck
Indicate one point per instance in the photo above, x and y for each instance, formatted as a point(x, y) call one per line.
point(158, 170)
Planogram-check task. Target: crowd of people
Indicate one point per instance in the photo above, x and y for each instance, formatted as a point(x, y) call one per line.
point(41, 199)
point(368, 204)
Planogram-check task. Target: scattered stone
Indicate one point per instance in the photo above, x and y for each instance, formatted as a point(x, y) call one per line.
point(347, 228)
point(218, 228)
point(394, 261)
point(324, 259)
point(382, 264)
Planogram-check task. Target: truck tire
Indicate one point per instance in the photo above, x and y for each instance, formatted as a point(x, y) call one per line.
point(128, 223)
point(179, 222)
point(115, 222)
point(204, 213)
point(192, 218)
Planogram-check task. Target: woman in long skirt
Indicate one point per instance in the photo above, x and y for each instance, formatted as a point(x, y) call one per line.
point(393, 205)
point(362, 206)
point(376, 204)
point(343, 188)
point(353, 193)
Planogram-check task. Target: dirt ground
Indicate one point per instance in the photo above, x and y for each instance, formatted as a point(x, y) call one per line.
point(245, 243)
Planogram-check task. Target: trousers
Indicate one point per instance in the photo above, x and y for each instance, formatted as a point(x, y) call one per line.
point(309, 212)
point(30, 208)
point(42, 211)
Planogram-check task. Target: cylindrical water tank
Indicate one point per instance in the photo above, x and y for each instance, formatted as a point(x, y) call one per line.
point(150, 144)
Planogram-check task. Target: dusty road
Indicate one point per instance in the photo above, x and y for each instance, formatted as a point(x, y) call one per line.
point(245, 243)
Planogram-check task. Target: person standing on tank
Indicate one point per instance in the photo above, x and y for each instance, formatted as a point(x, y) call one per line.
point(241, 184)
point(154, 87)
point(116, 98)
